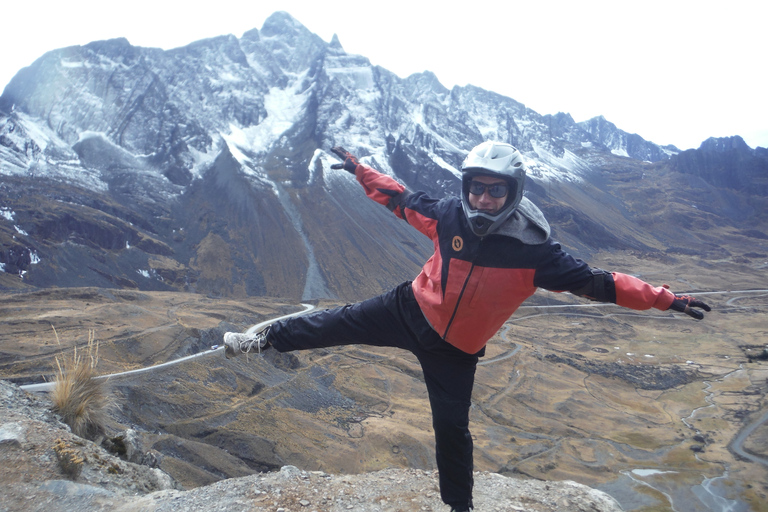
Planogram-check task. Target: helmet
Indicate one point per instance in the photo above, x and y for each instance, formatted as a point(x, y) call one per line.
point(498, 160)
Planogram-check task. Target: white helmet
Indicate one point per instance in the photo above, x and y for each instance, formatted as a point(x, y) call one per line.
point(498, 160)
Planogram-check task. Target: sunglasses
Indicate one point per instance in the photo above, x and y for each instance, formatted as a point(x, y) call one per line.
point(497, 190)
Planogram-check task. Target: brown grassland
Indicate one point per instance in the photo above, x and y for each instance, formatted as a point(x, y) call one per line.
point(573, 392)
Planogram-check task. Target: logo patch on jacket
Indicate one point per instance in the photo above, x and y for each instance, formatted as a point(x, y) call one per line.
point(458, 243)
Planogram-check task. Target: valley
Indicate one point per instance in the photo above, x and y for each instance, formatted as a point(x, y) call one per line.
point(643, 405)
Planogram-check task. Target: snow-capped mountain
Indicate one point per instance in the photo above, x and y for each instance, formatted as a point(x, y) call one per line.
point(206, 167)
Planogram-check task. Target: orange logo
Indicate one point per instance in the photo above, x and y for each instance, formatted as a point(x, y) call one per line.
point(458, 243)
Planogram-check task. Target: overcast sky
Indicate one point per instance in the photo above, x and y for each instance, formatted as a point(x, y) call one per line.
point(672, 71)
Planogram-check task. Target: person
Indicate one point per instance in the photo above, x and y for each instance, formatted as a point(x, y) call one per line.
point(492, 251)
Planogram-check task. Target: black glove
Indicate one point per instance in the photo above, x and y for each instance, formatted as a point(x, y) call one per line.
point(684, 303)
point(350, 160)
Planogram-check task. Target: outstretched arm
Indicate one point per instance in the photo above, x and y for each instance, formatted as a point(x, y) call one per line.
point(417, 209)
point(561, 272)
point(634, 293)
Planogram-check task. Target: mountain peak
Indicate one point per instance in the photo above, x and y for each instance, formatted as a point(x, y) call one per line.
point(601, 121)
point(119, 43)
point(722, 144)
point(281, 22)
point(335, 43)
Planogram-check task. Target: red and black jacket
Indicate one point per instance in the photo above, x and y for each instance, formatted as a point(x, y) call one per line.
point(472, 285)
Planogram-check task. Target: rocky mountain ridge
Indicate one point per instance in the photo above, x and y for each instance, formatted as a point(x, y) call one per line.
point(205, 168)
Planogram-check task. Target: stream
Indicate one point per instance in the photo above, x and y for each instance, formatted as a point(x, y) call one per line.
point(314, 286)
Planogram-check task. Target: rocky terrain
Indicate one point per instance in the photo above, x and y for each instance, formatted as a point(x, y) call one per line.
point(45, 467)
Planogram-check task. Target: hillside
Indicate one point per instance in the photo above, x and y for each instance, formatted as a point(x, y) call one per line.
point(644, 406)
point(45, 467)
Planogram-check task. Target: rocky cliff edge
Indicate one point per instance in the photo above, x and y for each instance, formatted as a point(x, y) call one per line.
point(46, 467)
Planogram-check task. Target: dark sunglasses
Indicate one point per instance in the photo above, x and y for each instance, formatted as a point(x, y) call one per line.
point(497, 190)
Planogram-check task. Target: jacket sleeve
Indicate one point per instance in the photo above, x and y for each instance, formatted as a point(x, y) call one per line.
point(635, 293)
point(415, 208)
point(561, 272)
point(381, 188)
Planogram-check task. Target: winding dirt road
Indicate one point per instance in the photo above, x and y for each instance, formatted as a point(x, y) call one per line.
point(737, 444)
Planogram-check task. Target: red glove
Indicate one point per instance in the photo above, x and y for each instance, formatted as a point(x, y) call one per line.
point(350, 160)
point(684, 303)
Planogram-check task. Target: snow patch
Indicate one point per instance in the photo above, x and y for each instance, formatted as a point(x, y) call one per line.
point(284, 107)
point(104, 63)
point(72, 64)
point(225, 76)
point(568, 167)
point(323, 157)
point(417, 118)
point(445, 165)
point(669, 152)
point(236, 139)
point(7, 213)
point(37, 131)
point(620, 152)
point(488, 126)
point(55, 158)
point(202, 161)
point(88, 134)
point(353, 77)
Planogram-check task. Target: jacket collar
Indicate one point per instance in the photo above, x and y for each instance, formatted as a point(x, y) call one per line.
point(526, 224)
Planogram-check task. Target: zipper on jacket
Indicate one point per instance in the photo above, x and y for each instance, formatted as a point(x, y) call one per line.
point(461, 295)
point(464, 287)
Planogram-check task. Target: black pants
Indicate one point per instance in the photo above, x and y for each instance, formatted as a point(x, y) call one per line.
point(395, 320)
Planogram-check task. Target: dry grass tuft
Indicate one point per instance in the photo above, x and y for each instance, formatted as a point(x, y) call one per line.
point(80, 398)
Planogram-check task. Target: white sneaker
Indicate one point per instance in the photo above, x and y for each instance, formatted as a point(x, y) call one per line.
point(237, 343)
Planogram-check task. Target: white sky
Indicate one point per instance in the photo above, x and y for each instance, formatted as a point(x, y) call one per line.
point(672, 71)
